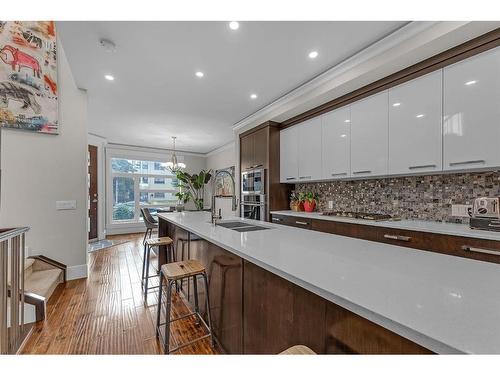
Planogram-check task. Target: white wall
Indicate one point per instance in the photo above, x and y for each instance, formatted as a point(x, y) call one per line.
point(40, 169)
point(221, 158)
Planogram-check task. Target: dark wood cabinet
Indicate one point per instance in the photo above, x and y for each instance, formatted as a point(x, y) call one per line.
point(348, 333)
point(253, 150)
point(292, 221)
point(278, 314)
point(260, 148)
point(435, 242)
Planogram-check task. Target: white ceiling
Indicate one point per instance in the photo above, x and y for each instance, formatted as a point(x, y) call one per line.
point(156, 94)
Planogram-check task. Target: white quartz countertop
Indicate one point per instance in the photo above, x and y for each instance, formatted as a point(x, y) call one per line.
point(447, 304)
point(452, 229)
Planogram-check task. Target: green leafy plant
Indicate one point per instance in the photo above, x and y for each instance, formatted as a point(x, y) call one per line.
point(183, 196)
point(308, 197)
point(194, 185)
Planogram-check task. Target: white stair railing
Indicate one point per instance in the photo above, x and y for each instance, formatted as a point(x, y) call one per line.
point(12, 327)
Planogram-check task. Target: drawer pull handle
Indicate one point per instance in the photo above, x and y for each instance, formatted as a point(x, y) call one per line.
point(480, 250)
point(397, 238)
point(290, 178)
point(422, 166)
point(339, 174)
point(305, 177)
point(467, 162)
point(301, 223)
point(277, 219)
point(361, 172)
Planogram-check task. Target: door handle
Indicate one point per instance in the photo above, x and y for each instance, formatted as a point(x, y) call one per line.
point(422, 166)
point(361, 172)
point(467, 162)
point(397, 238)
point(301, 223)
point(480, 250)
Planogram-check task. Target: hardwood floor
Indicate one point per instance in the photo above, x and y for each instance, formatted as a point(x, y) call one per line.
point(106, 313)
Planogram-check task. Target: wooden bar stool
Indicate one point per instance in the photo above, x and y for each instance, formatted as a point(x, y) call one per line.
point(149, 245)
point(298, 349)
point(178, 271)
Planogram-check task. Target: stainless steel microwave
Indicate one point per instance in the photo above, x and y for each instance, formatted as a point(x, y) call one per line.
point(253, 181)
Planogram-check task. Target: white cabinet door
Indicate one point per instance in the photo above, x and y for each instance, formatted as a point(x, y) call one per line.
point(310, 150)
point(415, 131)
point(369, 136)
point(471, 123)
point(336, 144)
point(289, 153)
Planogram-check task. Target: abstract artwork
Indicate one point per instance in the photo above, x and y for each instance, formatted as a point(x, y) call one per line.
point(28, 76)
point(223, 184)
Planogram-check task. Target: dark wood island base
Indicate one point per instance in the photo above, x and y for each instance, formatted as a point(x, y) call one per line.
point(257, 312)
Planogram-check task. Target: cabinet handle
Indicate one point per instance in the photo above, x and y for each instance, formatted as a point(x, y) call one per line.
point(257, 166)
point(360, 172)
point(422, 166)
point(480, 250)
point(290, 178)
point(467, 162)
point(397, 238)
point(304, 177)
point(277, 219)
point(339, 174)
point(301, 223)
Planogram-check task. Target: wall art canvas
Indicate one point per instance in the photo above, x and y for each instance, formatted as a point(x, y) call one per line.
point(28, 76)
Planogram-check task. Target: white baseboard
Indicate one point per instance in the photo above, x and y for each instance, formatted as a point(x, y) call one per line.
point(76, 272)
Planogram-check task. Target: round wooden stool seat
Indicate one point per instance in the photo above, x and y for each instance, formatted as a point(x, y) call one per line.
point(298, 349)
point(181, 270)
point(160, 241)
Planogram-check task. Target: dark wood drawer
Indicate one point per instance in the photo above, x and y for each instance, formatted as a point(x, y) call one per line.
point(472, 248)
point(292, 221)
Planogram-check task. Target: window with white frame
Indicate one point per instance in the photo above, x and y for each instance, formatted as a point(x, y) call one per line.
point(137, 183)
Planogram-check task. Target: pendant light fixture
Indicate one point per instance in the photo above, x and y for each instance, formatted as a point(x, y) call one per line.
point(173, 165)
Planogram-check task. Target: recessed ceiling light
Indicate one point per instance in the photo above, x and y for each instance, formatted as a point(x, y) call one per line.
point(396, 104)
point(468, 83)
point(199, 74)
point(253, 96)
point(109, 77)
point(313, 54)
point(420, 115)
point(234, 25)
point(347, 120)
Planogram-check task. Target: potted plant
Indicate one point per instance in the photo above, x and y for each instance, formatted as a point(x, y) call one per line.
point(183, 198)
point(310, 199)
point(195, 185)
point(295, 202)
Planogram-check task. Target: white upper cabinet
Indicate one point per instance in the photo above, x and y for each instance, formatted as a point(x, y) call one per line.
point(471, 122)
point(310, 150)
point(289, 155)
point(415, 131)
point(336, 144)
point(369, 136)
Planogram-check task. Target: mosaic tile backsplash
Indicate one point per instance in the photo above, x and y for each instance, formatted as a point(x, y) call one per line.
point(416, 197)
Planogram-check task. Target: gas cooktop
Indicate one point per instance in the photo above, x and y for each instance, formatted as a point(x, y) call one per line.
point(360, 215)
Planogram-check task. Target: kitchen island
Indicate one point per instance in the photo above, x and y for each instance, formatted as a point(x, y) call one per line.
point(284, 286)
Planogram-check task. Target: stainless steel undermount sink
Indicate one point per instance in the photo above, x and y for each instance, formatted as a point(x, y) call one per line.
point(241, 226)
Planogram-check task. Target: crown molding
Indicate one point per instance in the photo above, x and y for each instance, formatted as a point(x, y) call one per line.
point(220, 149)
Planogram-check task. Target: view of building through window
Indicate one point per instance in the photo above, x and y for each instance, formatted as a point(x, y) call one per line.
point(140, 183)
